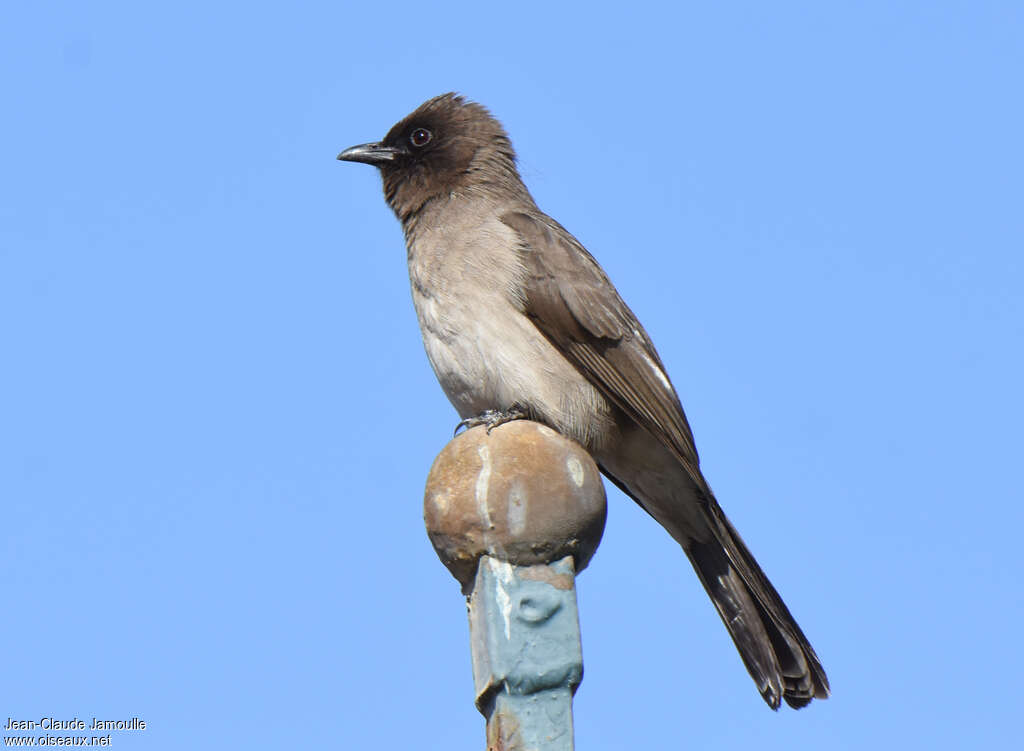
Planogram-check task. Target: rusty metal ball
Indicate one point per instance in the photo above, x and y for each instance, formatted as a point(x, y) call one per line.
point(522, 494)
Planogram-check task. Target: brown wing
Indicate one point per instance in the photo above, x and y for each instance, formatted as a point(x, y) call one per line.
point(571, 301)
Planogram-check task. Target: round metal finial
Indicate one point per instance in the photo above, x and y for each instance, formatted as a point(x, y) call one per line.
point(522, 494)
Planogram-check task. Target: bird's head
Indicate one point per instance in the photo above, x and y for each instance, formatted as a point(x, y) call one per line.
point(446, 145)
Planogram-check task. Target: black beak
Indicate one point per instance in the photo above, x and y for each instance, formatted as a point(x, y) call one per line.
point(369, 153)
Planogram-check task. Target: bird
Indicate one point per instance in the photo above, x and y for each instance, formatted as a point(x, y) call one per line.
point(520, 321)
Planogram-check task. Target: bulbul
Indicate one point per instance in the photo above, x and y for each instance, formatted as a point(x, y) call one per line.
point(519, 320)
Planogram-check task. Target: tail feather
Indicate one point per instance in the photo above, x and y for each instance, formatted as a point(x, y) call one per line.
point(775, 651)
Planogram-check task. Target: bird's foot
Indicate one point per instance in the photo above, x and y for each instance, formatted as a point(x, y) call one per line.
point(492, 418)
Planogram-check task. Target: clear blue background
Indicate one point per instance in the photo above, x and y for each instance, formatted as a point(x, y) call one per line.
point(216, 417)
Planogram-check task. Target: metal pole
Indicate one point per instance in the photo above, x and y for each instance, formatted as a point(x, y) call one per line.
point(514, 515)
point(527, 658)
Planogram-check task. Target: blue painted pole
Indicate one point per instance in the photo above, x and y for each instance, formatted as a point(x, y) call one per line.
point(527, 657)
point(515, 515)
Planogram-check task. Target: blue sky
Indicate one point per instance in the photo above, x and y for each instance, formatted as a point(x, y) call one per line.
point(216, 417)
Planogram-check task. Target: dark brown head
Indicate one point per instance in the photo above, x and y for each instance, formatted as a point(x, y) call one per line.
point(447, 145)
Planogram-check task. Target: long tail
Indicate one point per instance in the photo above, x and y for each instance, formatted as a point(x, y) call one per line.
point(774, 649)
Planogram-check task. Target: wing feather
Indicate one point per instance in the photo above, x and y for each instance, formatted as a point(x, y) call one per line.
point(571, 301)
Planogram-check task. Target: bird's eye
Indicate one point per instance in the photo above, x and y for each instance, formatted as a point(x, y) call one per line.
point(420, 137)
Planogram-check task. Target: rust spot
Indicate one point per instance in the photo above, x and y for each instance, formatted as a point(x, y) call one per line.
point(548, 576)
point(503, 732)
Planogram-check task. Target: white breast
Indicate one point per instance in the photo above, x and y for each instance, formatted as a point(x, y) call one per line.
point(466, 287)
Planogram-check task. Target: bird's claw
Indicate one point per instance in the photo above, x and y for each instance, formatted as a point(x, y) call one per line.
point(492, 418)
